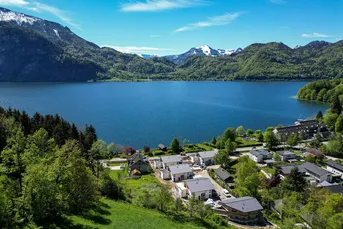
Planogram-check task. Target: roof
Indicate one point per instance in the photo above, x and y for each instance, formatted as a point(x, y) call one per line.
point(244, 204)
point(135, 171)
point(207, 154)
point(325, 184)
point(137, 157)
point(170, 159)
point(285, 153)
point(182, 168)
point(335, 165)
point(312, 168)
point(335, 189)
point(199, 184)
point(314, 152)
point(259, 152)
point(286, 170)
point(161, 146)
point(306, 122)
point(222, 173)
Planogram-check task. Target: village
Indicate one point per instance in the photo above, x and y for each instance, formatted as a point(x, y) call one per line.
point(196, 175)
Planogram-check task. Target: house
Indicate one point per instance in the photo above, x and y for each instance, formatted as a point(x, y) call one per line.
point(207, 157)
point(202, 188)
point(170, 160)
point(135, 173)
point(223, 175)
point(316, 172)
point(181, 190)
point(245, 210)
point(286, 155)
point(259, 155)
point(314, 152)
point(331, 188)
point(162, 147)
point(138, 162)
point(180, 172)
point(308, 127)
point(334, 167)
point(194, 158)
point(286, 170)
point(165, 175)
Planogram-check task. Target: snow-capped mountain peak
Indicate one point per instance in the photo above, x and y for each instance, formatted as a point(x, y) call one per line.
point(205, 49)
point(19, 18)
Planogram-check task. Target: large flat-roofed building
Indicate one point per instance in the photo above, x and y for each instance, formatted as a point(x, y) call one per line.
point(308, 127)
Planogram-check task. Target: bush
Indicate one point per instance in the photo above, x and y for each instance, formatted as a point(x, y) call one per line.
point(146, 149)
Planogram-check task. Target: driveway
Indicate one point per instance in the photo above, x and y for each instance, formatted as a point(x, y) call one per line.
point(217, 187)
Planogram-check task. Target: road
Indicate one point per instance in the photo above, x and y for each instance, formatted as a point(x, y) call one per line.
point(217, 187)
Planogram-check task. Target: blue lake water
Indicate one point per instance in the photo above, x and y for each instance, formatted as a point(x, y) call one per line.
point(139, 114)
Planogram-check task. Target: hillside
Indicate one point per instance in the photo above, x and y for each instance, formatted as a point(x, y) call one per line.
point(62, 55)
point(47, 51)
point(111, 214)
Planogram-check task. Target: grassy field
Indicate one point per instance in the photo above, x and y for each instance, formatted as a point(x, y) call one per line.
point(112, 215)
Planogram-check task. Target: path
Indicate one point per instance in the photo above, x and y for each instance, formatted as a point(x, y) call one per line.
point(217, 187)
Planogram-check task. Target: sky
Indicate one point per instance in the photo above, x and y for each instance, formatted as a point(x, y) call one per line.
point(166, 27)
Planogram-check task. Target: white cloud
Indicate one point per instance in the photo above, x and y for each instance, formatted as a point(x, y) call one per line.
point(314, 35)
point(13, 2)
point(212, 21)
point(40, 8)
point(136, 49)
point(159, 5)
point(278, 1)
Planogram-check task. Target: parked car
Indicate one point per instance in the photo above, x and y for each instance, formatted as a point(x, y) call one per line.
point(122, 166)
point(226, 193)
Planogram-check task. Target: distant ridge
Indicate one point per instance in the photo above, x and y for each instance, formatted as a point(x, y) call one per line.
point(33, 49)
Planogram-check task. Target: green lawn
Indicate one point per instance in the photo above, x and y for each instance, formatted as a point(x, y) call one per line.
point(112, 215)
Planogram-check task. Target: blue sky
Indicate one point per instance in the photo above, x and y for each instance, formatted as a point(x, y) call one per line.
point(173, 26)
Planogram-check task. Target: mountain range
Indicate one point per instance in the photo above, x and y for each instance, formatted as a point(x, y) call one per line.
point(204, 50)
point(33, 49)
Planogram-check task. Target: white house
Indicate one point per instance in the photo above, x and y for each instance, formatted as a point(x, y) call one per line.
point(260, 155)
point(181, 190)
point(194, 158)
point(207, 157)
point(202, 188)
point(180, 172)
point(335, 167)
point(286, 155)
point(165, 175)
point(170, 160)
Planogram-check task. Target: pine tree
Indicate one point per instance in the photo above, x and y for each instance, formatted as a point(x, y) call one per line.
point(175, 145)
point(214, 140)
point(319, 116)
point(336, 106)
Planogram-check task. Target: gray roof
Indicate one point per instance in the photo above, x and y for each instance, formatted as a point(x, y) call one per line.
point(259, 152)
point(182, 168)
point(334, 189)
point(207, 154)
point(335, 165)
point(222, 173)
point(244, 204)
point(286, 152)
point(199, 184)
point(325, 184)
point(286, 170)
point(171, 159)
point(312, 168)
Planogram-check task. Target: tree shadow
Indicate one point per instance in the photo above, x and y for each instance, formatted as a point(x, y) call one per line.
point(183, 218)
point(64, 223)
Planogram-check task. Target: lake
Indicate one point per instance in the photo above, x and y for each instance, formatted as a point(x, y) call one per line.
point(150, 113)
